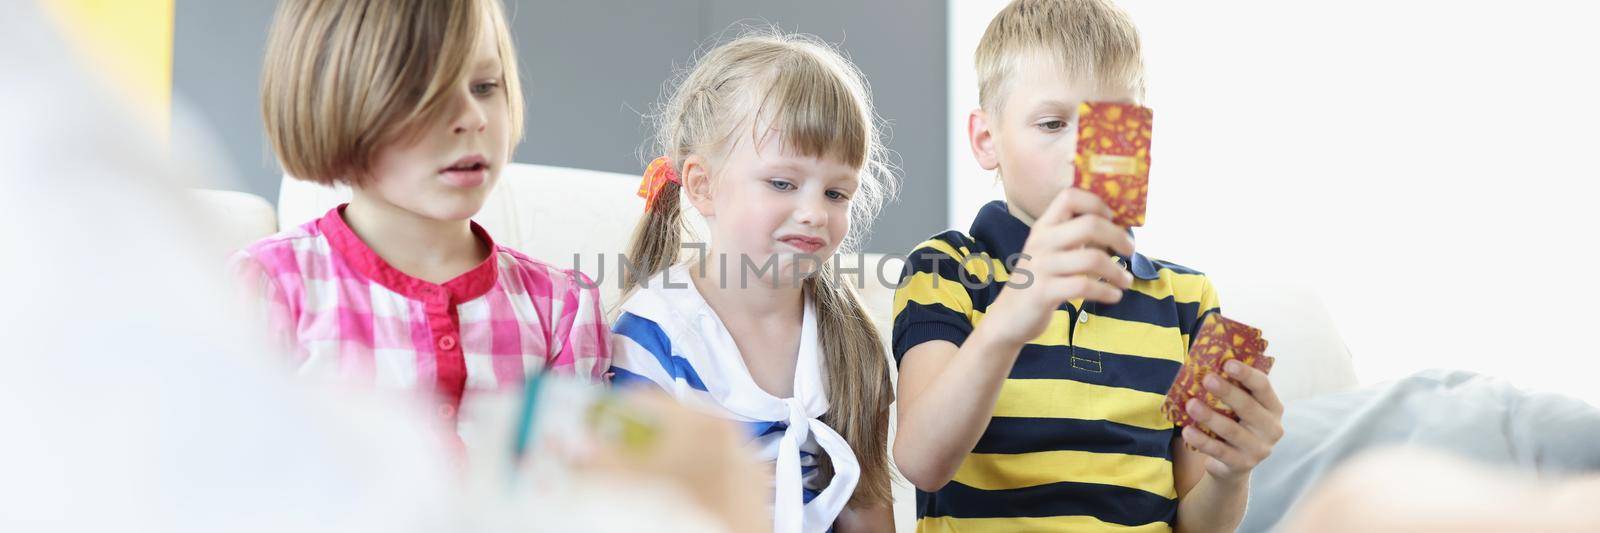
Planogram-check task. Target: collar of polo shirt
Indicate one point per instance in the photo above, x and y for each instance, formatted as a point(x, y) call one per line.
point(995, 226)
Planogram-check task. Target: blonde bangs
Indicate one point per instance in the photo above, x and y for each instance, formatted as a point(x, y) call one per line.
point(343, 79)
point(815, 112)
point(1090, 41)
point(439, 65)
point(462, 27)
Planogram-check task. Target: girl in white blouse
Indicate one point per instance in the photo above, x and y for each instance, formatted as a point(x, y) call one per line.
point(771, 138)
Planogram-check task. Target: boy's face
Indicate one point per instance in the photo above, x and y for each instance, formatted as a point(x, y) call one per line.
point(447, 170)
point(1031, 141)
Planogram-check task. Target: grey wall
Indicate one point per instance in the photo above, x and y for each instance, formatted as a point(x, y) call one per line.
point(216, 70)
point(592, 69)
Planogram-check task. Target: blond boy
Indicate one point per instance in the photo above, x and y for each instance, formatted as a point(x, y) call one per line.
point(1035, 349)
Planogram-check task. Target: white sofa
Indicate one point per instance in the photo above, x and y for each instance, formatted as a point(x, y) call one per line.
point(568, 217)
point(553, 213)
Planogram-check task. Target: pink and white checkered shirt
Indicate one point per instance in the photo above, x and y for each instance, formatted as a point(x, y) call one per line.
point(347, 315)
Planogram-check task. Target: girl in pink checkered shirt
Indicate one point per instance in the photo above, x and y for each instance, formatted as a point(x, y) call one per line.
point(416, 105)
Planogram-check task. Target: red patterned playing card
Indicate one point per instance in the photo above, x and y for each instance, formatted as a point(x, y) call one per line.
point(1113, 159)
point(1218, 341)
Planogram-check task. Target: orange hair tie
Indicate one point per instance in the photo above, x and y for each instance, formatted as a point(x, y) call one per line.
point(656, 177)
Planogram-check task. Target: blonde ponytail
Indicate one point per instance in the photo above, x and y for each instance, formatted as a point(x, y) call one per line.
point(656, 238)
point(859, 393)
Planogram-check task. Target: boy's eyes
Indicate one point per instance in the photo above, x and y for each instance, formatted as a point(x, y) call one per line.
point(485, 88)
point(1054, 125)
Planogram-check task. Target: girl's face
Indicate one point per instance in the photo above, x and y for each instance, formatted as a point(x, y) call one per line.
point(446, 170)
point(766, 205)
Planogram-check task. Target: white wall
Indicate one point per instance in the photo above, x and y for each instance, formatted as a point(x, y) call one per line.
point(1428, 165)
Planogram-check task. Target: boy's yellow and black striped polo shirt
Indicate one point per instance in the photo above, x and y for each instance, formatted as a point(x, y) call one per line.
point(1077, 441)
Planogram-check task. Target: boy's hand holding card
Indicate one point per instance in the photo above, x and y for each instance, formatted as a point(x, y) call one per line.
point(1218, 341)
point(1113, 159)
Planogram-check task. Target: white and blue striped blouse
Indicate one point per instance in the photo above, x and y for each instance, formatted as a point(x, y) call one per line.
point(668, 335)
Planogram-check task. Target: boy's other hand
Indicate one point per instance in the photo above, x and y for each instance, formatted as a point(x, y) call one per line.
point(1068, 256)
point(1241, 445)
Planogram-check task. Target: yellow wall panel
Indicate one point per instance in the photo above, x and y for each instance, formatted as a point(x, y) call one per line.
point(129, 42)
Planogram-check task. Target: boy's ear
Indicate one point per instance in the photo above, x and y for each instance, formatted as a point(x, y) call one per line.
point(696, 183)
point(982, 139)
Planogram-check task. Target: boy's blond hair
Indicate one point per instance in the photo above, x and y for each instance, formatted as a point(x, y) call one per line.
point(1092, 41)
point(343, 78)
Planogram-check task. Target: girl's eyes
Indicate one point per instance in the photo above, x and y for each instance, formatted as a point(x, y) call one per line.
point(485, 88)
point(786, 186)
point(1053, 126)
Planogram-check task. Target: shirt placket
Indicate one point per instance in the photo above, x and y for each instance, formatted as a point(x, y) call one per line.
point(445, 326)
point(1083, 358)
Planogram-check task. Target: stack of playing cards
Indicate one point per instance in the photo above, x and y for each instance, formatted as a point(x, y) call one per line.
point(1218, 341)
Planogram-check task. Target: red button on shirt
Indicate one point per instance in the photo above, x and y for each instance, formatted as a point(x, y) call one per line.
point(447, 342)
